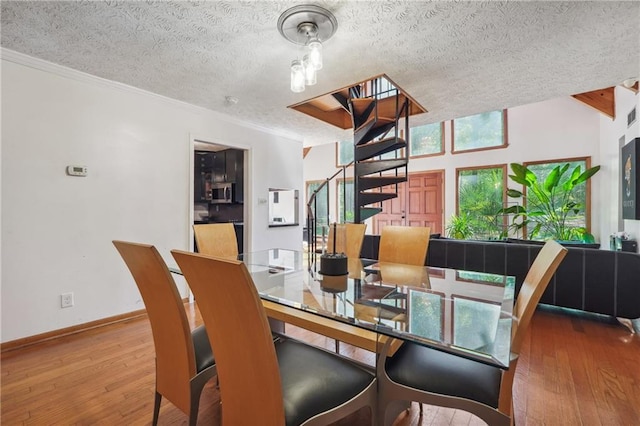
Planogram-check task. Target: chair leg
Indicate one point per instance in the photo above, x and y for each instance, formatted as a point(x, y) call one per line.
point(156, 409)
point(196, 391)
point(420, 405)
point(337, 346)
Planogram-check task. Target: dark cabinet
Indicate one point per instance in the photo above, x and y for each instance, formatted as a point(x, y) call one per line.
point(203, 168)
point(218, 167)
point(235, 172)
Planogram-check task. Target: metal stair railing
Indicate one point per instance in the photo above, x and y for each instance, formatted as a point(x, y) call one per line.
point(312, 208)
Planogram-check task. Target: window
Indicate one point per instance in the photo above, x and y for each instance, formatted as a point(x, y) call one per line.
point(426, 140)
point(344, 153)
point(481, 194)
point(480, 131)
point(345, 215)
point(579, 219)
point(319, 207)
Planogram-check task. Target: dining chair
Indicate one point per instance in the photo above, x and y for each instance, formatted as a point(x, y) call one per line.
point(404, 244)
point(184, 359)
point(351, 241)
point(216, 239)
point(265, 382)
point(418, 373)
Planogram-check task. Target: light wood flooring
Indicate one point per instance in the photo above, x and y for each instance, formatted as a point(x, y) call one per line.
point(574, 370)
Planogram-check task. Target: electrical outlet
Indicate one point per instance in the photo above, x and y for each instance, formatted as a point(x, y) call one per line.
point(66, 300)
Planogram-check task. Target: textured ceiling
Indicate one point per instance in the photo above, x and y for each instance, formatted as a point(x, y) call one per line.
point(454, 58)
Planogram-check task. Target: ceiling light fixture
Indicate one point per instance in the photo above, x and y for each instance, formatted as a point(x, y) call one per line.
point(308, 26)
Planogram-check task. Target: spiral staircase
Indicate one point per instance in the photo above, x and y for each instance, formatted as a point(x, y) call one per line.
point(378, 111)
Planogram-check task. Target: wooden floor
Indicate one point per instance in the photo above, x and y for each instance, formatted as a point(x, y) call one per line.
point(573, 371)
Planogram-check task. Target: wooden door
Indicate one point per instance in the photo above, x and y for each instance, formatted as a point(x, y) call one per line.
point(425, 200)
point(419, 203)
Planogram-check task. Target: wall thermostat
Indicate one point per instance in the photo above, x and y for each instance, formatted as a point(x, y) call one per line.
point(77, 170)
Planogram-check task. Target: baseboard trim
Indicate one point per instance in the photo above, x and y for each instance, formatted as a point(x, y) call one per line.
point(79, 328)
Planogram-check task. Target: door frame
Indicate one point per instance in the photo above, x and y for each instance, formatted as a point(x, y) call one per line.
point(247, 206)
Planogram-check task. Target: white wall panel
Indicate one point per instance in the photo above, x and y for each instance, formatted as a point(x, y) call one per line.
point(57, 230)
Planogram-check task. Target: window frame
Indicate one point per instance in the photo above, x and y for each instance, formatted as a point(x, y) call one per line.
point(503, 166)
point(505, 136)
point(307, 184)
point(434, 154)
point(337, 157)
point(339, 182)
point(587, 190)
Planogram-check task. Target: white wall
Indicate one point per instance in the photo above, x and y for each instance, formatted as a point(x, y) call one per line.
point(611, 131)
point(57, 230)
point(558, 128)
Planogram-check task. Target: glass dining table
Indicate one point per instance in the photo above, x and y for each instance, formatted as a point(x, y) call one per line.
point(462, 312)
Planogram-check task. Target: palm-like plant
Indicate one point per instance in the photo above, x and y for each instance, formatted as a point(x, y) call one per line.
point(549, 204)
point(459, 227)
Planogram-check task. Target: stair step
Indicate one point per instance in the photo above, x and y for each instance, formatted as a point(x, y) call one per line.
point(365, 198)
point(374, 166)
point(367, 212)
point(372, 128)
point(373, 149)
point(371, 182)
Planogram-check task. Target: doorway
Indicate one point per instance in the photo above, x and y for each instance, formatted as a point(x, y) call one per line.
point(219, 168)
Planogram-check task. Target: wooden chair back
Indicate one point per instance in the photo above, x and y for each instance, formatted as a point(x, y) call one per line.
point(542, 269)
point(353, 233)
point(175, 357)
point(404, 244)
point(240, 336)
point(216, 239)
point(535, 283)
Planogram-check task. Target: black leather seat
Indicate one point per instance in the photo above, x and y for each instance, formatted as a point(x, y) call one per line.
point(315, 381)
point(431, 370)
point(202, 348)
point(430, 376)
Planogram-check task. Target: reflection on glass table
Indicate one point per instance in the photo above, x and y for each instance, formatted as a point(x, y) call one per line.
point(429, 306)
point(468, 317)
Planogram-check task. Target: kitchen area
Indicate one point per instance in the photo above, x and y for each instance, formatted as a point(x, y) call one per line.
point(219, 187)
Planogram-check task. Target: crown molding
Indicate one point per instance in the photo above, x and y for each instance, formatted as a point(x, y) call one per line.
point(60, 70)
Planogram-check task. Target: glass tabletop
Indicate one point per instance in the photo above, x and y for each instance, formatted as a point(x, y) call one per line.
point(463, 312)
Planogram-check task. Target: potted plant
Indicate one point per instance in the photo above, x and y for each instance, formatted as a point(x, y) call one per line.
point(459, 227)
point(550, 204)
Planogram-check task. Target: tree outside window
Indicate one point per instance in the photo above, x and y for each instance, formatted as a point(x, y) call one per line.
point(480, 131)
point(480, 196)
point(426, 140)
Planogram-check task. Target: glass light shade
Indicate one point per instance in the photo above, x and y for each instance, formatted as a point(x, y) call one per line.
point(309, 71)
point(297, 76)
point(314, 48)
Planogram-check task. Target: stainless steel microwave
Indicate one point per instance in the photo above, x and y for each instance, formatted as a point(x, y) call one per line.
point(222, 193)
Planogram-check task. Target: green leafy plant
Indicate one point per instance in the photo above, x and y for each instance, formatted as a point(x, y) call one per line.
point(549, 204)
point(459, 227)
